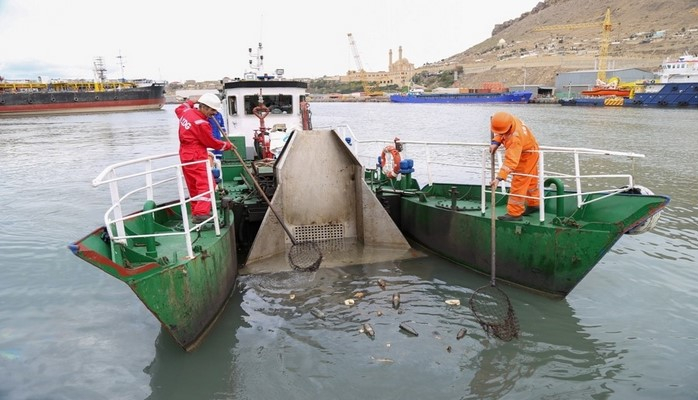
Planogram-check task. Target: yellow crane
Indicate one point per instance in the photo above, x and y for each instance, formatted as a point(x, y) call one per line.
point(605, 39)
point(368, 88)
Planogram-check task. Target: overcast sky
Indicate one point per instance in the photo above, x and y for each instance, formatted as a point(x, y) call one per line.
point(208, 40)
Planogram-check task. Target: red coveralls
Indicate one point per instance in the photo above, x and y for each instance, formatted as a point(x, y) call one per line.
point(517, 159)
point(194, 137)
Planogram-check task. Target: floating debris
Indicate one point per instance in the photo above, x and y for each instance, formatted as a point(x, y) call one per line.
point(381, 283)
point(379, 313)
point(461, 333)
point(396, 300)
point(349, 302)
point(317, 313)
point(453, 302)
point(368, 330)
point(408, 329)
point(448, 349)
point(383, 360)
point(291, 296)
point(359, 295)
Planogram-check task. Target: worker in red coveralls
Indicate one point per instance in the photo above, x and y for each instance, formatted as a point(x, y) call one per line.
point(520, 158)
point(194, 138)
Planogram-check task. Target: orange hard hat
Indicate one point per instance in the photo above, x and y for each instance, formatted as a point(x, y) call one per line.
point(501, 122)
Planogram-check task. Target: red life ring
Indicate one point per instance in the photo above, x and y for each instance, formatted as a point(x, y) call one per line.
point(390, 161)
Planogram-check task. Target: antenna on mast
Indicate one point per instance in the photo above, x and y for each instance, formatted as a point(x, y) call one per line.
point(121, 64)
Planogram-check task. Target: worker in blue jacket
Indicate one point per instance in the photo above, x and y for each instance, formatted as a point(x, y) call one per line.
point(217, 132)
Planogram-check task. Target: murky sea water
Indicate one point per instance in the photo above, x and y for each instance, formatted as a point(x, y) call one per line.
point(629, 330)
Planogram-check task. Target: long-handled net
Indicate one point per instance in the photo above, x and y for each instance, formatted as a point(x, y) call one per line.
point(303, 256)
point(490, 305)
point(494, 312)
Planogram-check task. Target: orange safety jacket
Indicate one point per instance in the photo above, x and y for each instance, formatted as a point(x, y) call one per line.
point(517, 143)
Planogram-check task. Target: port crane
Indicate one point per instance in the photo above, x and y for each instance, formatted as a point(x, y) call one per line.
point(603, 46)
point(368, 88)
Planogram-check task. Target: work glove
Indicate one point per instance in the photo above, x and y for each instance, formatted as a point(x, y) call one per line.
point(228, 146)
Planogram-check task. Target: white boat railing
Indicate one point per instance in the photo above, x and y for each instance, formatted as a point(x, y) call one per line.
point(135, 182)
point(470, 162)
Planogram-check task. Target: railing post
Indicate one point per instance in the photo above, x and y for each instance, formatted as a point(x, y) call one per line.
point(578, 179)
point(185, 214)
point(541, 186)
point(149, 180)
point(118, 215)
point(212, 197)
point(430, 179)
point(483, 191)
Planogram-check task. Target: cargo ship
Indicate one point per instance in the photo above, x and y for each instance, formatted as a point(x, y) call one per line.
point(56, 96)
point(675, 86)
point(489, 92)
point(508, 97)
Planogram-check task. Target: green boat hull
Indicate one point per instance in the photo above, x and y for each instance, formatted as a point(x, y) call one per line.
point(552, 256)
point(185, 294)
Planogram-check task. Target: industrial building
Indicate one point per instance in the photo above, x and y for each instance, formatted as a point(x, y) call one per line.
point(570, 84)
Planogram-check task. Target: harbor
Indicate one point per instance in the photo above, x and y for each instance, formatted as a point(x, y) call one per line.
point(427, 228)
point(601, 335)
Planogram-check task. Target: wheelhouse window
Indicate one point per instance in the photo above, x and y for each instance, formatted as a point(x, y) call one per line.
point(277, 104)
point(232, 105)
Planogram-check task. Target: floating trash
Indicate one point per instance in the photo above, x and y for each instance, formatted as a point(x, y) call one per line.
point(396, 300)
point(408, 329)
point(317, 313)
point(368, 330)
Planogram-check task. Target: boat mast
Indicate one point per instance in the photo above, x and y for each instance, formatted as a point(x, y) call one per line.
point(100, 73)
point(121, 64)
point(256, 67)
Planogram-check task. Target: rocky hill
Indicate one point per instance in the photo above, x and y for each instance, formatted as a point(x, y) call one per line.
point(644, 33)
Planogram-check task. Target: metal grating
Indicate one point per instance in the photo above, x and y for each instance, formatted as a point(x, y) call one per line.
point(318, 233)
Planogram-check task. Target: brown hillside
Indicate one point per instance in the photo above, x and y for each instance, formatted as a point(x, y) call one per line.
point(644, 33)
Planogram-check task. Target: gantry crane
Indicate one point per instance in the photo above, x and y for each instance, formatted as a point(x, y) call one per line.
point(603, 46)
point(368, 88)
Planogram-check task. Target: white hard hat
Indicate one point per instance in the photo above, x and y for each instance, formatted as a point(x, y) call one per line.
point(211, 100)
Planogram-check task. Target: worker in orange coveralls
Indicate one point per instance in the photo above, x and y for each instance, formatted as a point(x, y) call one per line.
point(521, 157)
point(194, 138)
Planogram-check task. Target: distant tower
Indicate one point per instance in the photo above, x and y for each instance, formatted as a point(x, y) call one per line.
point(390, 60)
point(399, 53)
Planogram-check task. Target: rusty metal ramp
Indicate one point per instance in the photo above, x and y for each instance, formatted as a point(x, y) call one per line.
point(321, 196)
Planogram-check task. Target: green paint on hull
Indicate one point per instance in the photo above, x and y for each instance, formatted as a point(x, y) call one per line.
point(551, 257)
point(185, 295)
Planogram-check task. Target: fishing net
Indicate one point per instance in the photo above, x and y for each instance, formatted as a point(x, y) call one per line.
point(305, 256)
point(494, 312)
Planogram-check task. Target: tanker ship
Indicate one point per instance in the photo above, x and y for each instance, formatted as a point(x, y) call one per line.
point(57, 96)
